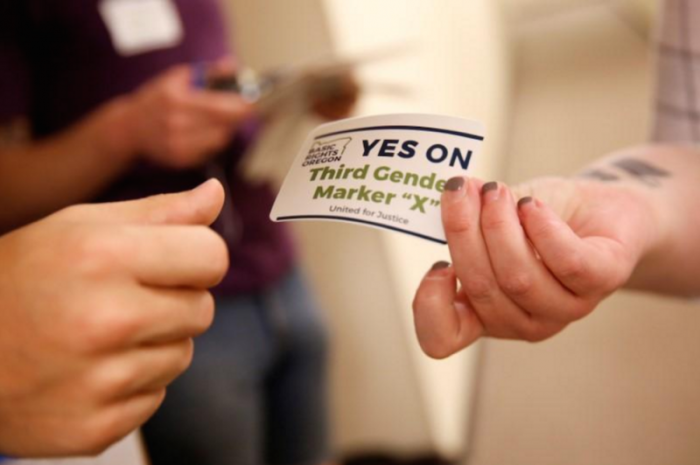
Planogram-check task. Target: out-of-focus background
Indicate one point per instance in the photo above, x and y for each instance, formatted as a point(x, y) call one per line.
point(557, 83)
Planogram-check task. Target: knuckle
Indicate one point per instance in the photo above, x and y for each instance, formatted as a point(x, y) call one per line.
point(96, 253)
point(103, 327)
point(580, 310)
point(479, 289)
point(457, 221)
point(534, 336)
point(537, 232)
point(84, 342)
point(618, 279)
point(185, 360)
point(571, 267)
point(217, 251)
point(493, 222)
point(517, 284)
point(426, 298)
point(538, 331)
point(617, 276)
point(113, 383)
point(528, 333)
point(117, 328)
point(541, 229)
point(205, 313)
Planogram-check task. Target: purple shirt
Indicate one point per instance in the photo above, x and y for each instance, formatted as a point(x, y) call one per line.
point(58, 63)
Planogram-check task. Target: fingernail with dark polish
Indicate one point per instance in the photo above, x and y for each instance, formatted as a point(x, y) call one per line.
point(441, 265)
point(454, 184)
point(489, 186)
point(524, 201)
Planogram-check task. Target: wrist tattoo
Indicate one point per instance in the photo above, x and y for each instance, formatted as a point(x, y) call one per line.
point(600, 175)
point(638, 170)
point(641, 170)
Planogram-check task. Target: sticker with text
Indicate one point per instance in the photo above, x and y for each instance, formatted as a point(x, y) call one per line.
point(385, 171)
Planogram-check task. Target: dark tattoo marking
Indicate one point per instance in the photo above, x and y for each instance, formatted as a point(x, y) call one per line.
point(641, 170)
point(600, 175)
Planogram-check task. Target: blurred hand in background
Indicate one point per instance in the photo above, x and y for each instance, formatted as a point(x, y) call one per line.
point(178, 125)
point(334, 97)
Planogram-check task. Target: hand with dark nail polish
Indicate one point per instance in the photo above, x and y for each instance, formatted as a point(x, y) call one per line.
point(529, 261)
point(489, 186)
point(524, 201)
point(454, 184)
point(441, 265)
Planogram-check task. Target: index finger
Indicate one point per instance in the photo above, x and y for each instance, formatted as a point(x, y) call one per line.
point(586, 266)
point(177, 256)
point(199, 206)
point(461, 215)
point(223, 106)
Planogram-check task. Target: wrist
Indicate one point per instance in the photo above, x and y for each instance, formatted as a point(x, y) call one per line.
point(648, 232)
point(651, 229)
point(115, 131)
point(623, 212)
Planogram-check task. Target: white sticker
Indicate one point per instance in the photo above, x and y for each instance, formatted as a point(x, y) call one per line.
point(140, 26)
point(384, 171)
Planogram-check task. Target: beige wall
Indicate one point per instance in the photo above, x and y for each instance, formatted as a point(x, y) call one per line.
point(387, 395)
point(375, 398)
point(270, 33)
point(620, 387)
point(457, 64)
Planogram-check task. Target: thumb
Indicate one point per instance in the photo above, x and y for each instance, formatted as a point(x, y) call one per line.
point(199, 206)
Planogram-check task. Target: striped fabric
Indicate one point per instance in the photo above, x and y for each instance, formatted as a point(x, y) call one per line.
point(678, 91)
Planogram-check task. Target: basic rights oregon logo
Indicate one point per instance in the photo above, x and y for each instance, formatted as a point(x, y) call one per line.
point(331, 151)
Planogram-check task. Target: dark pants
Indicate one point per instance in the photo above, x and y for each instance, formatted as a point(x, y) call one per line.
point(256, 391)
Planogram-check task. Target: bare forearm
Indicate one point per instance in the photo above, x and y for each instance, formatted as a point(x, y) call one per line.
point(165, 120)
point(667, 179)
point(37, 178)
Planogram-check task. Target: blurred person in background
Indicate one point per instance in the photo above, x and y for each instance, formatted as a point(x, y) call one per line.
point(98, 103)
point(99, 308)
point(525, 269)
